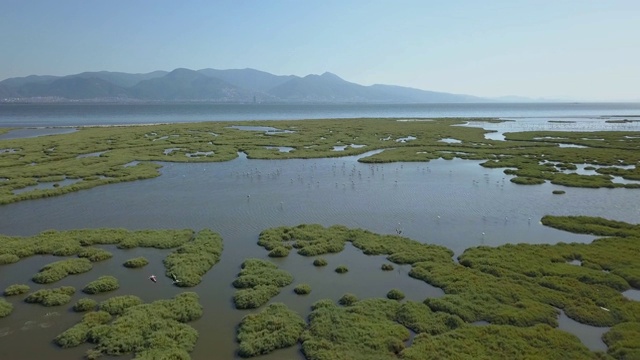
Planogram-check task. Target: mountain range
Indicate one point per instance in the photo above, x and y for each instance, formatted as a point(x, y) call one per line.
point(212, 85)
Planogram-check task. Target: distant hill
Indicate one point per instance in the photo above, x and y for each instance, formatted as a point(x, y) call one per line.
point(212, 85)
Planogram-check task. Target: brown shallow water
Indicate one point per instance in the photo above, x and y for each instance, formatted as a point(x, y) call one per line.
point(437, 202)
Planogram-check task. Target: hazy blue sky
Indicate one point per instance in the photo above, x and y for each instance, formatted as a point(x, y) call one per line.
point(584, 50)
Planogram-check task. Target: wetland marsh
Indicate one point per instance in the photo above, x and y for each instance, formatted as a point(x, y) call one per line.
point(454, 199)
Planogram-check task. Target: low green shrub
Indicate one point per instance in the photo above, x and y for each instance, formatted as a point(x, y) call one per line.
point(258, 281)
point(302, 289)
point(60, 269)
point(51, 297)
point(102, 284)
point(5, 307)
point(348, 299)
point(80, 332)
point(84, 304)
point(193, 259)
point(387, 267)
point(254, 297)
point(320, 262)
point(279, 251)
point(364, 330)
point(622, 341)
point(94, 254)
point(498, 342)
point(118, 304)
point(136, 262)
point(16, 289)
point(154, 330)
point(341, 269)
point(6, 259)
point(395, 294)
point(275, 327)
point(559, 192)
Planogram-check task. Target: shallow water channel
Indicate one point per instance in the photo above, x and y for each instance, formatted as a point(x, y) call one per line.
point(455, 203)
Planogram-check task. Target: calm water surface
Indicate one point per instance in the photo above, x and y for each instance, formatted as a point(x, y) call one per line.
point(454, 203)
point(43, 115)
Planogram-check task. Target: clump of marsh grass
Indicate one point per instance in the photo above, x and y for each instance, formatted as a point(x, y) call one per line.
point(558, 192)
point(16, 289)
point(364, 330)
point(387, 267)
point(395, 294)
point(5, 308)
point(341, 269)
point(136, 262)
point(102, 284)
point(51, 297)
point(60, 269)
point(118, 304)
point(80, 242)
point(302, 289)
point(194, 258)
point(154, 330)
point(320, 262)
point(84, 304)
point(348, 299)
point(94, 254)
point(282, 325)
point(622, 341)
point(258, 281)
point(498, 341)
point(279, 251)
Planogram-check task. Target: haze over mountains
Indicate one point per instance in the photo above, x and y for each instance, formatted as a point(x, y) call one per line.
point(211, 85)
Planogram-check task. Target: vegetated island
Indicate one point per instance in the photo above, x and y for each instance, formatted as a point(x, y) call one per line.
point(519, 290)
point(58, 164)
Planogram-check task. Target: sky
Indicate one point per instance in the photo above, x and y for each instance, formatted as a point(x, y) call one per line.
point(586, 50)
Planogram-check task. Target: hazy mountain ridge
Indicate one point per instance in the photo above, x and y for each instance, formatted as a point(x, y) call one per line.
point(212, 85)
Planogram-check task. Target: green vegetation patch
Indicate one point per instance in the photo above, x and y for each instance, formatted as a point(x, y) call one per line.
point(16, 289)
point(258, 281)
point(520, 285)
point(5, 307)
point(623, 341)
point(94, 254)
point(102, 284)
point(51, 297)
point(387, 267)
point(61, 269)
point(85, 304)
point(320, 262)
point(193, 259)
point(395, 294)
point(498, 342)
point(118, 304)
point(302, 289)
point(275, 327)
point(136, 262)
point(144, 330)
point(80, 242)
point(341, 269)
point(364, 330)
